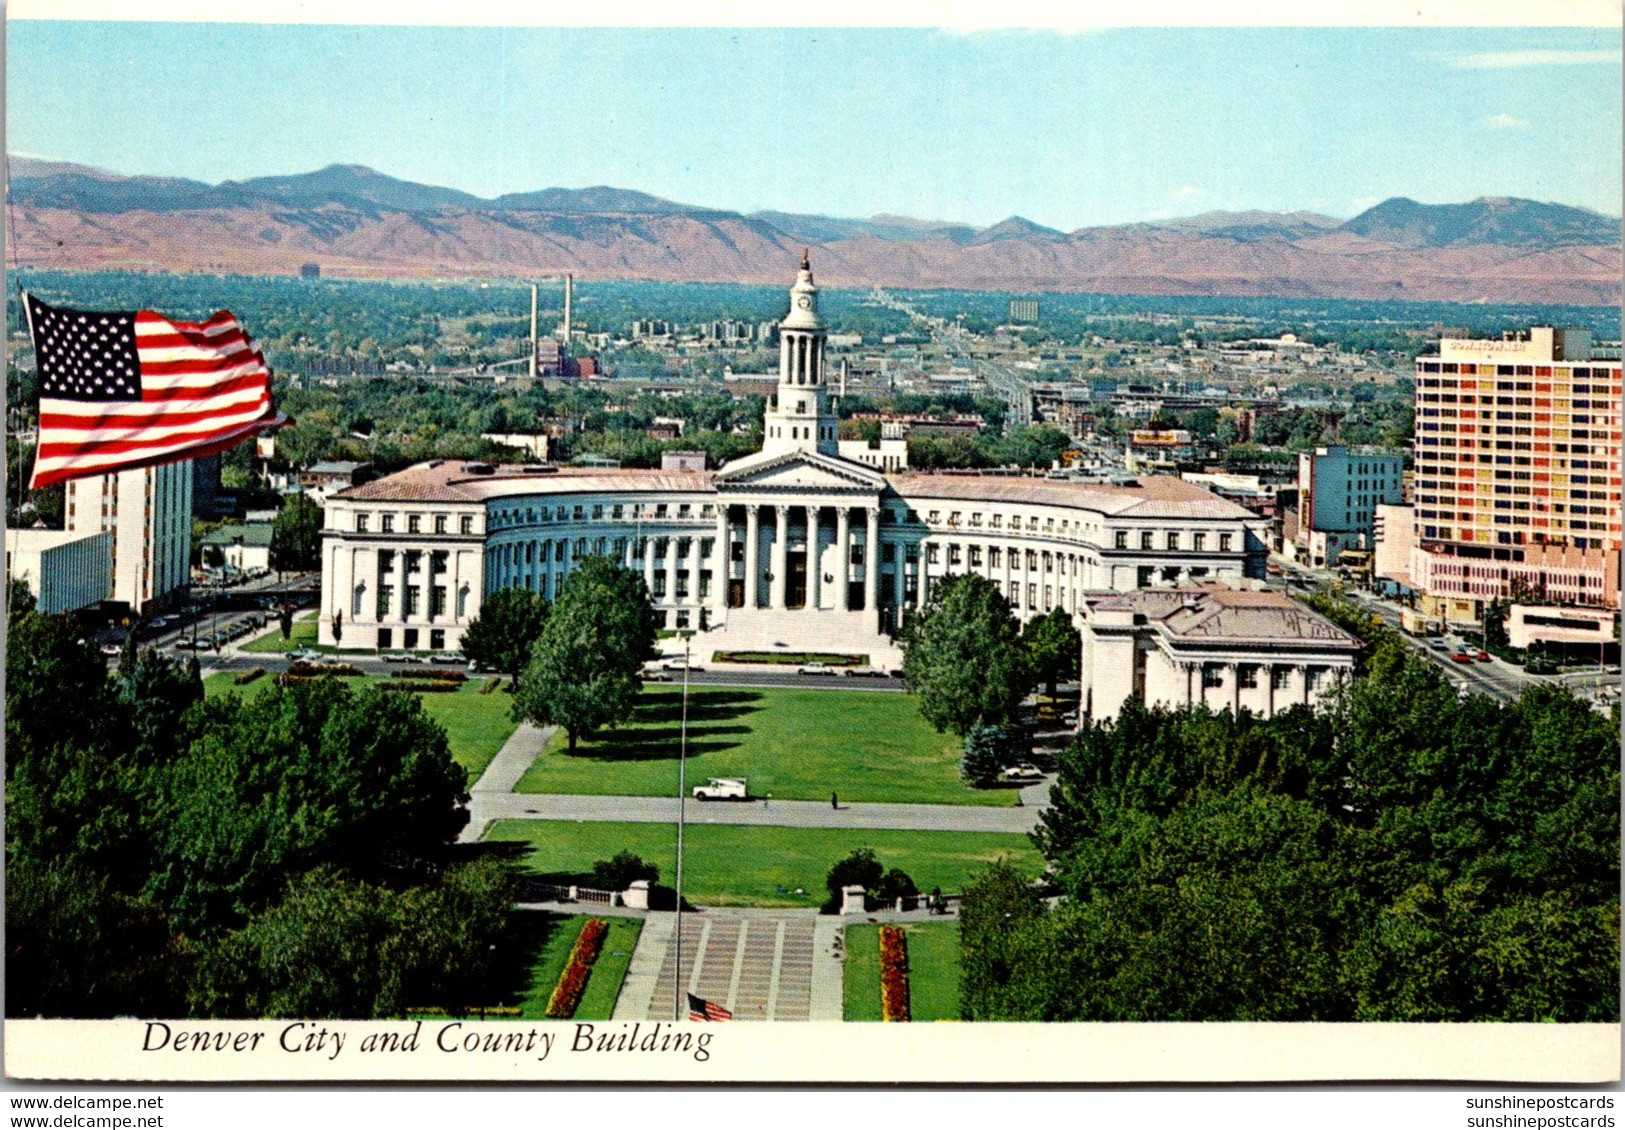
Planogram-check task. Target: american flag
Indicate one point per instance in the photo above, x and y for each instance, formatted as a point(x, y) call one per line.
point(123, 390)
point(700, 1009)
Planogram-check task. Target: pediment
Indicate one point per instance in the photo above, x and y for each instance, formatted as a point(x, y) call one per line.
point(799, 470)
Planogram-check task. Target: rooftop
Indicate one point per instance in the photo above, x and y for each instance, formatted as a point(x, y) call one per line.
point(1153, 496)
point(1223, 615)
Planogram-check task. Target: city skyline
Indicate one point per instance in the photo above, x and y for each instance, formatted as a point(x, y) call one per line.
point(1102, 127)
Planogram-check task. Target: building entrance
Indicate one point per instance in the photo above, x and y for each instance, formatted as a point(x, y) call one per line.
point(795, 581)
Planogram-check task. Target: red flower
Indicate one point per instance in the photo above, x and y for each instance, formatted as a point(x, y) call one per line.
point(893, 974)
point(572, 984)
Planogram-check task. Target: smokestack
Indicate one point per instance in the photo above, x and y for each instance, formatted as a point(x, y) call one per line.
point(569, 286)
point(532, 331)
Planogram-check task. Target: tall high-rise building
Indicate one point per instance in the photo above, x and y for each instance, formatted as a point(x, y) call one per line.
point(1517, 471)
point(149, 513)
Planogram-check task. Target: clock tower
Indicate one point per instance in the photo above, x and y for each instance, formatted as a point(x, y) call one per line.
point(800, 419)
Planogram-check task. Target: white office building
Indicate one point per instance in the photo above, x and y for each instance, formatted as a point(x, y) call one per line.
point(148, 512)
point(64, 570)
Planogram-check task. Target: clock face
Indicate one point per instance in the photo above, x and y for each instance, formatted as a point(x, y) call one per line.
point(804, 302)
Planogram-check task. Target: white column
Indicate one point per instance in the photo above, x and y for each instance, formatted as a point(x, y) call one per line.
point(781, 536)
point(871, 565)
point(649, 563)
point(919, 595)
point(1235, 689)
point(753, 555)
point(815, 568)
point(843, 546)
point(671, 571)
point(721, 561)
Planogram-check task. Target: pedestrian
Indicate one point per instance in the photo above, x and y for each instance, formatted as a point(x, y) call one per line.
point(834, 802)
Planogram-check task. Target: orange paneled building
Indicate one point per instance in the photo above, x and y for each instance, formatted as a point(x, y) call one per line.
point(1517, 471)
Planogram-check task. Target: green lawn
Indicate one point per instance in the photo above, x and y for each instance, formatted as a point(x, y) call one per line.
point(476, 724)
point(792, 744)
point(739, 865)
point(558, 936)
point(302, 639)
point(933, 972)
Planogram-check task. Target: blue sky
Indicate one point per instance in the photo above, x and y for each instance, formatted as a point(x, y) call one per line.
point(1067, 130)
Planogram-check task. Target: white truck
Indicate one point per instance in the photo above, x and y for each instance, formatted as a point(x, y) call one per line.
point(722, 788)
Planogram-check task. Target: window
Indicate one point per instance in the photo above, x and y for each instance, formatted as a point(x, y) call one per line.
point(1212, 675)
point(1199, 542)
point(954, 557)
point(360, 523)
point(414, 600)
point(994, 553)
point(414, 523)
point(439, 523)
point(597, 512)
point(414, 561)
point(386, 638)
point(1173, 540)
point(1224, 543)
point(386, 561)
point(462, 603)
point(931, 553)
point(975, 557)
point(437, 562)
point(437, 639)
point(1120, 540)
point(386, 524)
point(1032, 596)
point(355, 601)
point(466, 524)
point(1247, 676)
point(386, 600)
point(437, 601)
point(1280, 677)
point(1145, 539)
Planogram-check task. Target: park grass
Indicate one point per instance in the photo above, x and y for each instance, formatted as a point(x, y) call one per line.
point(933, 972)
point(302, 639)
point(749, 865)
point(559, 933)
point(476, 724)
point(794, 744)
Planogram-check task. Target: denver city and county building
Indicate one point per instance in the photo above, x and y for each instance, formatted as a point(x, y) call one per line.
point(793, 545)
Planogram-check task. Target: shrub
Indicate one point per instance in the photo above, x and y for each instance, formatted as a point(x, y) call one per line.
point(566, 996)
point(436, 673)
point(893, 974)
point(893, 886)
point(245, 677)
point(861, 868)
point(622, 871)
point(311, 671)
point(491, 684)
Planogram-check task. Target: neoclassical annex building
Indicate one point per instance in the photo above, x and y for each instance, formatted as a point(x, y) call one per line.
point(794, 546)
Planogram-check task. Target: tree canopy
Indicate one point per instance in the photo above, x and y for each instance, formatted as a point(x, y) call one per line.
point(1401, 854)
point(963, 656)
point(509, 623)
point(1054, 648)
point(296, 535)
point(585, 669)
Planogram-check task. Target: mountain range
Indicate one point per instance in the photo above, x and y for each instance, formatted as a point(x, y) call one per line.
point(354, 221)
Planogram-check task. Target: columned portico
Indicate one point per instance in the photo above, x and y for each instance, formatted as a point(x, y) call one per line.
point(753, 557)
point(815, 567)
point(871, 565)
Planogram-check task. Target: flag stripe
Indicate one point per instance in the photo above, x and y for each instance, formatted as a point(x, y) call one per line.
point(126, 463)
point(141, 438)
point(86, 413)
point(112, 438)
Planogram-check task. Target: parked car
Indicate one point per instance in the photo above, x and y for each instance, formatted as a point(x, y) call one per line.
point(815, 669)
point(678, 665)
point(1439, 645)
point(722, 788)
point(1461, 657)
point(1482, 657)
point(863, 672)
point(1020, 772)
point(396, 657)
point(112, 649)
point(445, 657)
point(302, 656)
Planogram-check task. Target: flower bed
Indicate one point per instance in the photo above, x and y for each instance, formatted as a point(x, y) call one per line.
point(245, 677)
point(566, 996)
point(494, 683)
point(425, 686)
point(786, 658)
point(893, 973)
point(435, 673)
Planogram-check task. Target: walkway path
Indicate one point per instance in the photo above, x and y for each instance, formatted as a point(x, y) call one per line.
point(487, 806)
point(517, 754)
point(762, 965)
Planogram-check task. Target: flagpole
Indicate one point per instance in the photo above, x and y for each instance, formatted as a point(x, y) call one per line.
point(677, 989)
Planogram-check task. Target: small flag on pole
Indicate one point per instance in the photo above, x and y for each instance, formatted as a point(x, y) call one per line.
point(699, 1009)
point(124, 390)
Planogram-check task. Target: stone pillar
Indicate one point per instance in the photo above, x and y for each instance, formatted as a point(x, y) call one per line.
point(815, 567)
point(919, 596)
point(1235, 689)
point(753, 555)
point(649, 564)
point(843, 546)
point(781, 538)
point(721, 561)
point(671, 571)
point(871, 565)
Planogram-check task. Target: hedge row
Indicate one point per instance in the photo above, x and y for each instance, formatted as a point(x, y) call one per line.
point(893, 973)
point(427, 686)
point(440, 673)
point(311, 670)
point(245, 677)
point(566, 996)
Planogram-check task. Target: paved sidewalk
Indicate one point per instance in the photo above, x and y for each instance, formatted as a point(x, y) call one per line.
point(517, 754)
point(488, 806)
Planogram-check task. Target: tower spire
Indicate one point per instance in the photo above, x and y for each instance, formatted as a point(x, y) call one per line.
point(806, 263)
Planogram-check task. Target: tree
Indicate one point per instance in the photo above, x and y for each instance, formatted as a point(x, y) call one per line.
point(1054, 648)
point(20, 601)
point(156, 691)
point(964, 657)
point(509, 623)
point(984, 755)
point(996, 918)
point(622, 870)
point(296, 535)
point(585, 669)
point(860, 869)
